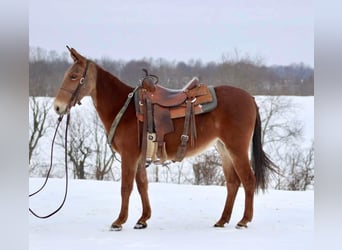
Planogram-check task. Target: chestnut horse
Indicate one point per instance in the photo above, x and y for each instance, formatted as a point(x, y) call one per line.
point(231, 126)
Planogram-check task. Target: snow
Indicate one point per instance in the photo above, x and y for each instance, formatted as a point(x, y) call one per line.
point(182, 218)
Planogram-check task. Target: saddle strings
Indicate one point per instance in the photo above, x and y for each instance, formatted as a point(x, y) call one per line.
point(49, 171)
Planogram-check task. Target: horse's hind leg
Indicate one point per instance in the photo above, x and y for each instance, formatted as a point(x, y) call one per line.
point(142, 184)
point(243, 170)
point(232, 183)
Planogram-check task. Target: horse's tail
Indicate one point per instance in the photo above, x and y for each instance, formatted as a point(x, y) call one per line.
point(261, 163)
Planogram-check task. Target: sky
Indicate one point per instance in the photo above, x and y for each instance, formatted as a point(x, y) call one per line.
point(277, 32)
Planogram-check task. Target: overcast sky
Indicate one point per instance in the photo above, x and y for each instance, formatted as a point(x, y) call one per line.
point(280, 32)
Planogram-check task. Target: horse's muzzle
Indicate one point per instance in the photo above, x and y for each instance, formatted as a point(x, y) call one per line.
point(60, 108)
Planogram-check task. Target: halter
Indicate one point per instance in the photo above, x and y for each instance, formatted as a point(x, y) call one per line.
point(75, 94)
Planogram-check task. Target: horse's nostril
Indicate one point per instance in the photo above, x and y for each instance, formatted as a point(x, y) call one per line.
point(59, 108)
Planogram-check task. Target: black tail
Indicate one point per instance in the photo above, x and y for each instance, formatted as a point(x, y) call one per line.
point(261, 163)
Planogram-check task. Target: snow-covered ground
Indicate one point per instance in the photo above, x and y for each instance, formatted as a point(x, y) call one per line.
point(182, 218)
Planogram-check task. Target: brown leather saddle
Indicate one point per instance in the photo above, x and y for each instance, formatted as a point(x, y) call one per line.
point(156, 106)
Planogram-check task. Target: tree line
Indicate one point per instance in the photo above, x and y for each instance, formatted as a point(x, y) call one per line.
point(47, 68)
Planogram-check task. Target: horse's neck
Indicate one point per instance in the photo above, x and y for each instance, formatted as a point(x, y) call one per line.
point(111, 94)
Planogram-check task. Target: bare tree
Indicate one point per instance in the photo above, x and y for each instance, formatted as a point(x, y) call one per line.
point(207, 169)
point(182, 175)
point(279, 123)
point(78, 148)
point(104, 156)
point(38, 122)
point(282, 137)
point(298, 173)
point(171, 172)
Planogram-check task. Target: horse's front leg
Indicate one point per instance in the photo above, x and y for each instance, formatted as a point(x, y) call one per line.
point(142, 184)
point(128, 170)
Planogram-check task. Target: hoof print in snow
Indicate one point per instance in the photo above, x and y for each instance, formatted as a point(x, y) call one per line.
point(140, 225)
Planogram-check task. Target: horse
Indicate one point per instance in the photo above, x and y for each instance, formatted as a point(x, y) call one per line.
point(232, 126)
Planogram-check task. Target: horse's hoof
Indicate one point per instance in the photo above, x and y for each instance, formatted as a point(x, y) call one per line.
point(241, 226)
point(115, 228)
point(140, 225)
point(218, 225)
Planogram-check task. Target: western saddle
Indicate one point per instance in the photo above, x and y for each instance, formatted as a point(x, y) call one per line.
point(156, 106)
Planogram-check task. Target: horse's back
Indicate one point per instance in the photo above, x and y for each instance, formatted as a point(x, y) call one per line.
point(230, 95)
point(235, 105)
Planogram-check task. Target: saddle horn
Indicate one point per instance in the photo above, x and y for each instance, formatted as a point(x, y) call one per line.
point(150, 75)
point(146, 72)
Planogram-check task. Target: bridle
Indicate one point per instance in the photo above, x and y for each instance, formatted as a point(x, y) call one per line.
point(74, 99)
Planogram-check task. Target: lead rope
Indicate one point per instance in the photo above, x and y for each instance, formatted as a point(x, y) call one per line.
point(48, 174)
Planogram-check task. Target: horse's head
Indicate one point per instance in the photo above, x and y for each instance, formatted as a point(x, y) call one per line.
point(77, 83)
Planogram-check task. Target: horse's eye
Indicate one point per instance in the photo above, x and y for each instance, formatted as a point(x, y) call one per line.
point(73, 77)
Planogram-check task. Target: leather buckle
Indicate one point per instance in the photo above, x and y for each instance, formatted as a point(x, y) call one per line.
point(184, 138)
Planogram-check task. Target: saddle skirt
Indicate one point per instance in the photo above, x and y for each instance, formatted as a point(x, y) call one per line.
point(156, 106)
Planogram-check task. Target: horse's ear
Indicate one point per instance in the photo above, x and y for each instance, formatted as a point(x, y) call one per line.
point(75, 55)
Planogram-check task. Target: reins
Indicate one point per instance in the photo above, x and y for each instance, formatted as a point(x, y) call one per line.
point(48, 174)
